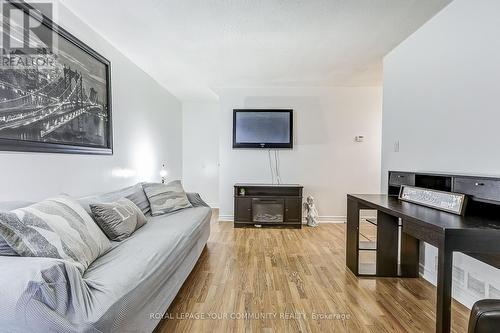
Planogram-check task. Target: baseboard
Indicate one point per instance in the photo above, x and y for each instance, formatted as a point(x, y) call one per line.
point(322, 219)
point(228, 218)
point(331, 219)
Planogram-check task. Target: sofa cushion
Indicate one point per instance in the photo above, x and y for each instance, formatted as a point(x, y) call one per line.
point(118, 219)
point(134, 193)
point(166, 198)
point(138, 197)
point(55, 228)
point(146, 269)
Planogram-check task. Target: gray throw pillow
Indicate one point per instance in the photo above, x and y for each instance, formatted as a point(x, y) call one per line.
point(118, 219)
point(134, 193)
point(166, 198)
point(196, 200)
point(54, 228)
point(139, 198)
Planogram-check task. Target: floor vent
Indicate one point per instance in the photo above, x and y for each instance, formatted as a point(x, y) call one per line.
point(494, 292)
point(458, 275)
point(476, 286)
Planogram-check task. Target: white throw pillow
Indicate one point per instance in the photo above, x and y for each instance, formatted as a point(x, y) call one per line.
point(55, 228)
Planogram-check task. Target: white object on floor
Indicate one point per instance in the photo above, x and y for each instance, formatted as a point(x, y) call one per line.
point(312, 212)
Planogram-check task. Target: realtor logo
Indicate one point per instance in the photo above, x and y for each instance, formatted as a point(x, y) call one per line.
point(27, 35)
point(24, 29)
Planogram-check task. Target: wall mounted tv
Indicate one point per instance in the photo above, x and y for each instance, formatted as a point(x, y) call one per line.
point(262, 128)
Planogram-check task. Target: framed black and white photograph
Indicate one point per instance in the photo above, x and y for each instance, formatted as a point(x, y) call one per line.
point(55, 91)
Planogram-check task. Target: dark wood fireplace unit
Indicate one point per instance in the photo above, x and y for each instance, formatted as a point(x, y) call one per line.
point(267, 205)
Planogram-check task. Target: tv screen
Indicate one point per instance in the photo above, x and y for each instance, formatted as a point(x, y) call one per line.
point(262, 128)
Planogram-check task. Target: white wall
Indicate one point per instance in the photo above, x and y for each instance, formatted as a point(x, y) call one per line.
point(325, 160)
point(147, 126)
point(442, 102)
point(201, 149)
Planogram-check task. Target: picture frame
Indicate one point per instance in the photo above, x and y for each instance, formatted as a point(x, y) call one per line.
point(72, 112)
point(445, 201)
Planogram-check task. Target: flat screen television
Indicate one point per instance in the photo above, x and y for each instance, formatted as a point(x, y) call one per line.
point(256, 128)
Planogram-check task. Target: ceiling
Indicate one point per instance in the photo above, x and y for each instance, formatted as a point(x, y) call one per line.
point(194, 47)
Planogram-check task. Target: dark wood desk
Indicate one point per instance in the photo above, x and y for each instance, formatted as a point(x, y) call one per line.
point(446, 231)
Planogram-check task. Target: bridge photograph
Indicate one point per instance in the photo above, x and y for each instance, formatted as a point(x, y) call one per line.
point(64, 101)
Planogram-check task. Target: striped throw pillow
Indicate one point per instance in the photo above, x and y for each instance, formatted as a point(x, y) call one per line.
point(55, 228)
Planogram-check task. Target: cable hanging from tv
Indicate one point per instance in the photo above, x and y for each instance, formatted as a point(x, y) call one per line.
point(275, 169)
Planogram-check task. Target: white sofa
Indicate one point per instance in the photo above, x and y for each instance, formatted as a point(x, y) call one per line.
point(128, 289)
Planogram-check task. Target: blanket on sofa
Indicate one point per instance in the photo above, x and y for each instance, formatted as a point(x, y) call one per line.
point(125, 290)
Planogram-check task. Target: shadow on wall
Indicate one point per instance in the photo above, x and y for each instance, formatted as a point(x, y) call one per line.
point(310, 121)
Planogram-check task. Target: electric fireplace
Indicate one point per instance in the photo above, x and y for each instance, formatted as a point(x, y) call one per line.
point(267, 205)
point(268, 210)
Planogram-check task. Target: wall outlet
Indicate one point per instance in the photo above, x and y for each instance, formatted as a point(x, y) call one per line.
point(396, 146)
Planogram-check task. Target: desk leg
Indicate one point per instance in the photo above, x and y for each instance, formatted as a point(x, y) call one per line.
point(410, 247)
point(444, 280)
point(387, 245)
point(352, 236)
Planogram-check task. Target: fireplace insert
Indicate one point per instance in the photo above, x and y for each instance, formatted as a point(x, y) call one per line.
point(268, 210)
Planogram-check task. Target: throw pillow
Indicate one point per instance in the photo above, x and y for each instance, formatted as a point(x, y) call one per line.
point(166, 198)
point(139, 198)
point(55, 228)
point(5, 249)
point(134, 193)
point(118, 219)
point(196, 200)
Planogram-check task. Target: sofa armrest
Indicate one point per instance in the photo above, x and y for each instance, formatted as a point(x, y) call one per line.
point(485, 316)
point(39, 294)
point(196, 200)
point(16, 275)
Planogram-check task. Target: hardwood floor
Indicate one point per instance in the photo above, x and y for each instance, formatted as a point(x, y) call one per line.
point(290, 280)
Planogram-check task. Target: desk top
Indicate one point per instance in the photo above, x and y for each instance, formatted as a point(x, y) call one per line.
point(266, 185)
point(436, 218)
